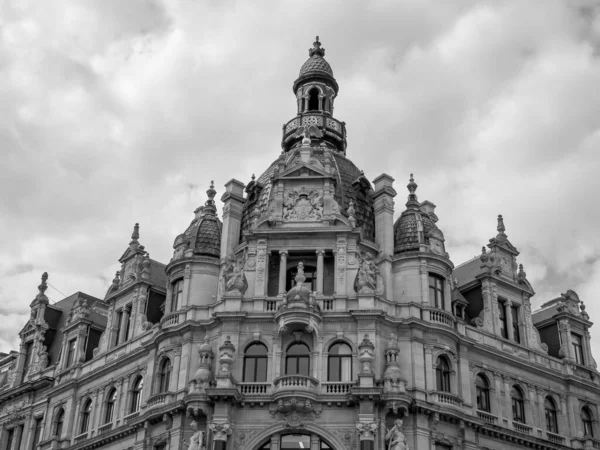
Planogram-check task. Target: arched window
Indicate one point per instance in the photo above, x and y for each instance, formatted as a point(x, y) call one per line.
point(313, 99)
point(482, 389)
point(339, 362)
point(136, 395)
point(297, 441)
point(297, 360)
point(518, 404)
point(85, 416)
point(550, 413)
point(58, 422)
point(111, 399)
point(586, 420)
point(255, 363)
point(442, 374)
point(164, 376)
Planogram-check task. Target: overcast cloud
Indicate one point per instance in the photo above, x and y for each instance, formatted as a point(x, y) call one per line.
point(115, 112)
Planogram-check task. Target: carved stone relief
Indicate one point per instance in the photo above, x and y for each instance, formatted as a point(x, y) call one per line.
point(302, 204)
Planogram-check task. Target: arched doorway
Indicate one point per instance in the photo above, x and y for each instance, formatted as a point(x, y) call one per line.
point(296, 441)
point(311, 436)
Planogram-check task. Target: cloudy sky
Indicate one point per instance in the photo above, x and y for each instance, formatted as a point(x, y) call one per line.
point(118, 112)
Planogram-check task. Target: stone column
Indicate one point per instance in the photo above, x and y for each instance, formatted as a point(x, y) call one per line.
point(320, 255)
point(74, 423)
point(497, 407)
point(169, 299)
point(314, 442)
point(429, 373)
point(187, 274)
point(282, 270)
point(98, 409)
point(488, 307)
point(424, 283)
point(587, 348)
point(177, 368)
point(233, 202)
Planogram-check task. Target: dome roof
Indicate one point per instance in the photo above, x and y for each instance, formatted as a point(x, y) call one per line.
point(414, 226)
point(317, 64)
point(204, 233)
point(351, 185)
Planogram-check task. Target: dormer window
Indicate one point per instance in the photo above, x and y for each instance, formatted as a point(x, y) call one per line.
point(577, 348)
point(72, 347)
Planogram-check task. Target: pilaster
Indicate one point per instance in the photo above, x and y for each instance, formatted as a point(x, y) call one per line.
point(384, 227)
point(233, 202)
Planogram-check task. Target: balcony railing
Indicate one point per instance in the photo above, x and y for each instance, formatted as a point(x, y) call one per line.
point(487, 417)
point(81, 437)
point(441, 316)
point(105, 428)
point(328, 304)
point(521, 428)
point(270, 305)
point(248, 388)
point(329, 125)
point(448, 399)
point(294, 382)
point(172, 319)
point(336, 387)
point(555, 438)
point(131, 416)
point(159, 399)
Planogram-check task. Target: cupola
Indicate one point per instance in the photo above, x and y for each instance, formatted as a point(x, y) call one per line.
point(416, 226)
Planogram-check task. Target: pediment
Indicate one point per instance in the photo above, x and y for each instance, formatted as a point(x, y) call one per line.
point(301, 169)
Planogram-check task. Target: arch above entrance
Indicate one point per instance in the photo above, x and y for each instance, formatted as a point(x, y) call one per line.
point(340, 439)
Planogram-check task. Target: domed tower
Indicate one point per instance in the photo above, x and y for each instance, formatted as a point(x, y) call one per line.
point(421, 266)
point(194, 269)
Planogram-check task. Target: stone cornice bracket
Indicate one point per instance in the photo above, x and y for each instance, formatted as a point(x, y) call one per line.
point(367, 430)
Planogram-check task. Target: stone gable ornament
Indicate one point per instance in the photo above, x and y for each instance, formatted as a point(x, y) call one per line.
point(303, 205)
point(220, 430)
point(367, 430)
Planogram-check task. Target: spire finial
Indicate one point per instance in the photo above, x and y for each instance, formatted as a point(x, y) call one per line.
point(209, 205)
point(43, 286)
point(412, 202)
point(501, 228)
point(136, 232)
point(316, 50)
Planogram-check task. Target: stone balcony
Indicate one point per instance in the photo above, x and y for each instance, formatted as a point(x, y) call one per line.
point(330, 127)
point(172, 319)
point(521, 428)
point(295, 386)
point(160, 399)
point(488, 418)
point(446, 398)
point(439, 316)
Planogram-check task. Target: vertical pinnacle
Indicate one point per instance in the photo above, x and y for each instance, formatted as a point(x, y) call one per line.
point(136, 232)
point(412, 197)
point(501, 228)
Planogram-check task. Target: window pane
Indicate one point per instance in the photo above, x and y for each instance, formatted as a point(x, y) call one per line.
point(297, 349)
point(261, 370)
point(291, 366)
point(303, 365)
point(334, 368)
point(249, 369)
point(346, 368)
point(256, 350)
point(295, 441)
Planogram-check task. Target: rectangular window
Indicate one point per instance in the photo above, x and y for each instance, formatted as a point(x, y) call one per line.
point(177, 295)
point(436, 291)
point(71, 352)
point(128, 321)
point(119, 319)
point(577, 348)
point(19, 437)
point(37, 433)
point(10, 438)
point(28, 358)
point(514, 309)
point(502, 315)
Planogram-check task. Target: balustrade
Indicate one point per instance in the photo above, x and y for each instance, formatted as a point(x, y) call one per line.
point(247, 388)
point(159, 399)
point(555, 438)
point(172, 319)
point(487, 417)
point(81, 437)
point(295, 382)
point(441, 316)
point(522, 428)
point(448, 399)
point(270, 305)
point(105, 428)
point(328, 304)
point(335, 387)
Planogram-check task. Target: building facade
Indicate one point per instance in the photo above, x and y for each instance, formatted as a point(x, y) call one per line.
point(306, 317)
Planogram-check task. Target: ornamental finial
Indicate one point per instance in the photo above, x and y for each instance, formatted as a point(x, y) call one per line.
point(44, 285)
point(136, 232)
point(209, 205)
point(412, 197)
point(501, 228)
point(316, 50)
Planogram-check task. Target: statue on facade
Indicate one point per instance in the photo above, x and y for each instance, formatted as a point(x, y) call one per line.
point(366, 278)
point(197, 439)
point(396, 438)
point(233, 278)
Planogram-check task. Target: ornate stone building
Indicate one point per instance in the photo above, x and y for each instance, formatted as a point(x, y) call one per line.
point(305, 317)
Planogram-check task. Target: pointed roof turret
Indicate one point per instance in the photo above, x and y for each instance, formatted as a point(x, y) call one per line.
point(412, 202)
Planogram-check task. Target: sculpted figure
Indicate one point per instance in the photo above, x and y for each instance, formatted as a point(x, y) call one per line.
point(396, 438)
point(366, 278)
point(196, 439)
